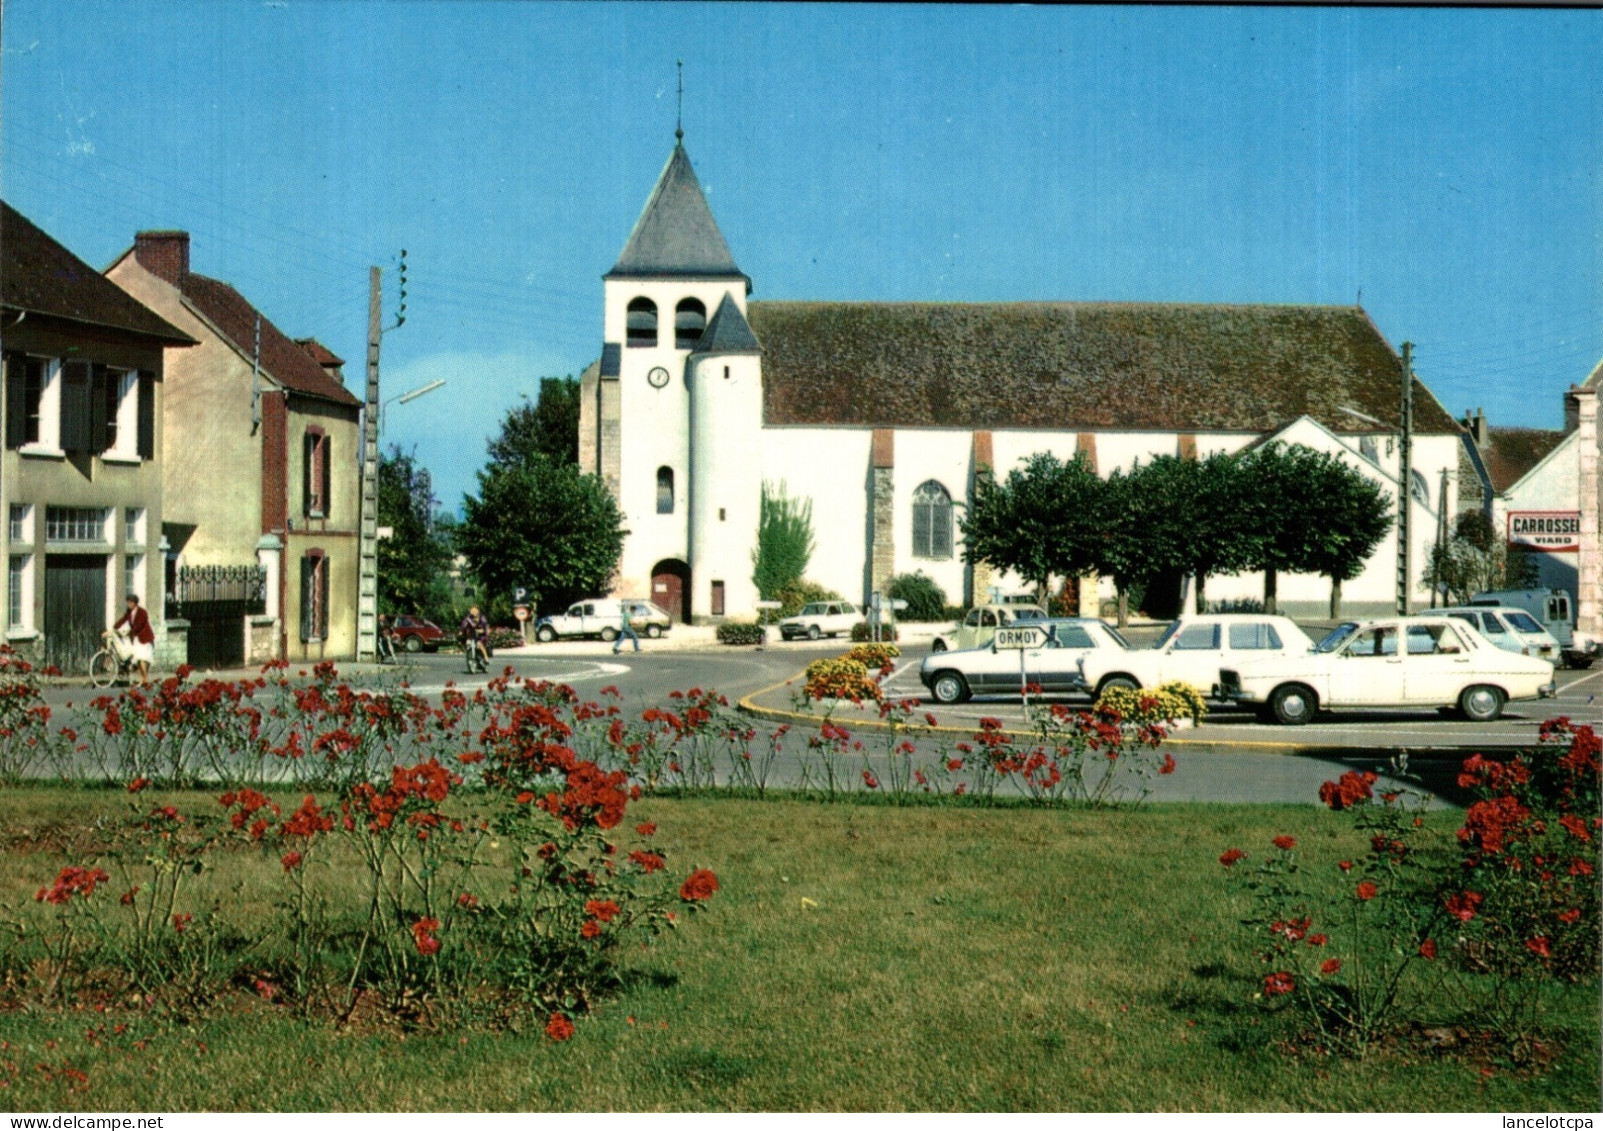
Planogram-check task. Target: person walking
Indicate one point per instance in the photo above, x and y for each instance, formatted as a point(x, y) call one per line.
point(142, 640)
point(627, 629)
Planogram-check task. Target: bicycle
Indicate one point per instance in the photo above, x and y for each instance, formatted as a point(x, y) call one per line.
point(477, 655)
point(386, 647)
point(114, 661)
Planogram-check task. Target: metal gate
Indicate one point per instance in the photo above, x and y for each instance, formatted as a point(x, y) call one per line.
point(216, 600)
point(75, 609)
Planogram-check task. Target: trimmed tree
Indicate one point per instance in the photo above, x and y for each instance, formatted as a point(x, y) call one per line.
point(543, 524)
point(1148, 511)
point(1045, 518)
point(1354, 515)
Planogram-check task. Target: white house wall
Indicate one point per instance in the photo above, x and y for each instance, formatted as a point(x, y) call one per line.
point(1552, 485)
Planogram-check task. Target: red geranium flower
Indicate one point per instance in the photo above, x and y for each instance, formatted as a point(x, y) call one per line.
point(647, 829)
point(1285, 843)
point(1366, 891)
point(1345, 865)
point(1464, 905)
point(559, 1028)
point(698, 886)
point(590, 929)
point(1280, 982)
point(1538, 946)
point(1427, 949)
point(423, 935)
point(1329, 966)
point(181, 921)
point(1230, 856)
point(291, 861)
point(1318, 940)
point(604, 909)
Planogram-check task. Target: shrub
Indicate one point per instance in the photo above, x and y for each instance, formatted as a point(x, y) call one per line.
point(1236, 605)
point(953, 612)
point(926, 600)
point(793, 597)
point(505, 638)
point(875, 655)
point(784, 542)
point(734, 633)
point(1168, 703)
point(862, 632)
point(840, 678)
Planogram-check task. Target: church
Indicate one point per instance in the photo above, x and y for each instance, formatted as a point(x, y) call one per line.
point(882, 414)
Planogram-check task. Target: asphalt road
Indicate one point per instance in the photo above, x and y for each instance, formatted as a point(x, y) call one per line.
point(1232, 757)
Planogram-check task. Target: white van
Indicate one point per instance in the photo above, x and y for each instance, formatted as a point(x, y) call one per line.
point(603, 617)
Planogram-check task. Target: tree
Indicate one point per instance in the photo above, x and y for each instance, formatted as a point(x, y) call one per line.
point(544, 524)
point(1475, 560)
point(548, 426)
point(413, 560)
point(784, 541)
point(1353, 513)
point(1046, 518)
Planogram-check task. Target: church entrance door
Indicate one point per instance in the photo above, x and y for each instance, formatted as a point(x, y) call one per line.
point(670, 588)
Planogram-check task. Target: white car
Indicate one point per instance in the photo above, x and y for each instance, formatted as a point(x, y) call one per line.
point(821, 618)
point(980, 624)
point(1193, 649)
point(1513, 630)
point(953, 677)
point(1445, 663)
point(603, 617)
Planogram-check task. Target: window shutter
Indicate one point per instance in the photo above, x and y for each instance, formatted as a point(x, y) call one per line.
point(308, 448)
point(322, 598)
point(147, 414)
point(325, 449)
point(308, 580)
point(102, 411)
point(77, 431)
point(16, 401)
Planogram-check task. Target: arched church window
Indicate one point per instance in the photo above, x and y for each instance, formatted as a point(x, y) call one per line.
point(932, 521)
point(689, 320)
point(642, 322)
point(665, 490)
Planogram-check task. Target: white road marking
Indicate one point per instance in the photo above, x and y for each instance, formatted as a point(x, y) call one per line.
point(473, 683)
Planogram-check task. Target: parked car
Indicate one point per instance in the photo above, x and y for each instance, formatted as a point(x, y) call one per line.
point(953, 677)
point(416, 634)
point(603, 617)
point(980, 624)
point(1513, 630)
point(1193, 649)
point(1555, 610)
point(821, 618)
point(1445, 663)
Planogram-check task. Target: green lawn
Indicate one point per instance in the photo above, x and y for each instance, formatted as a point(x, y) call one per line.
point(857, 957)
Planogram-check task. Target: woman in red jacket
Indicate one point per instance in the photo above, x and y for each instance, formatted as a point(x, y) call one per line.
point(142, 640)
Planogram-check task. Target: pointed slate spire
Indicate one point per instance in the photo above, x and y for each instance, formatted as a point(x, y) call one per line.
point(676, 234)
point(728, 332)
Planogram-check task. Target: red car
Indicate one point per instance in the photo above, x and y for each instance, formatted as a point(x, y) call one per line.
point(416, 634)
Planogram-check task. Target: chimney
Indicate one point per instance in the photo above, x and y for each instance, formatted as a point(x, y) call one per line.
point(163, 253)
point(1572, 412)
point(1476, 426)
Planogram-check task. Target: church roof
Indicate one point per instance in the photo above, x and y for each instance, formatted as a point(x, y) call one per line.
point(1079, 366)
point(728, 332)
point(40, 276)
point(676, 233)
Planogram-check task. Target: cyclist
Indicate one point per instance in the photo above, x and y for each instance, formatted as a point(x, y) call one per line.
point(386, 643)
point(135, 624)
point(474, 632)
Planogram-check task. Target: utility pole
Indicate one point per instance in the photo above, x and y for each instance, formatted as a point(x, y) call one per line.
point(1405, 476)
point(367, 571)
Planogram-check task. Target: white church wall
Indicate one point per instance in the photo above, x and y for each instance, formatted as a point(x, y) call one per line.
point(1011, 449)
point(830, 467)
point(945, 456)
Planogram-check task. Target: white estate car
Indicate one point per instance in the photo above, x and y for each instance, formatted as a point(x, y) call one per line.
point(953, 677)
point(603, 617)
point(1513, 630)
point(821, 618)
point(1444, 663)
point(1193, 649)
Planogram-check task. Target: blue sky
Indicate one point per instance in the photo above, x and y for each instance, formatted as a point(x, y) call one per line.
point(1444, 163)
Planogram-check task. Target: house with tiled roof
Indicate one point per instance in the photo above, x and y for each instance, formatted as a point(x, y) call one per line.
point(1528, 482)
point(883, 413)
point(261, 467)
point(81, 485)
